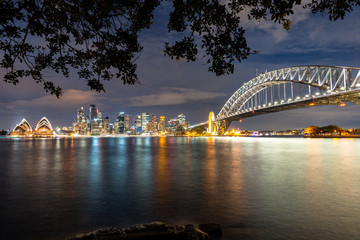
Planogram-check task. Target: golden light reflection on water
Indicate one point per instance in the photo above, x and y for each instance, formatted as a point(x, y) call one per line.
point(163, 176)
point(237, 173)
point(313, 178)
point(330, 177)
point(210, 168)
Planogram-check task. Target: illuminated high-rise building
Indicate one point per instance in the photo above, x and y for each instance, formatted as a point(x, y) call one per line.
point(154, 124)
point(173, 124)
point(181, 119)
point(81, 125)
point(127, 122)
point(137, 124)
point(95, 122)
point(105, 125)
point(145, 120)
point(80, 115)
point(93, 112)
point(161, 124)
point(121, 122)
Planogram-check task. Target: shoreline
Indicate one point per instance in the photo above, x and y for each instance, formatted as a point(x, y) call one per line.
point(340, 136)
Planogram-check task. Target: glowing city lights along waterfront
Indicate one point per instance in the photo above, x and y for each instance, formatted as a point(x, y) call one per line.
point(43, 129)
point(96, 125)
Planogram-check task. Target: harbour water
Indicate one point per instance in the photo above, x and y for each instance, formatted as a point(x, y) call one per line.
point(256, 188)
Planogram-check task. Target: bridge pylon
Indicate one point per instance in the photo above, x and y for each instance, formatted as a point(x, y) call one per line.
point(222, 126)
point(212, 127)
point(217, 127)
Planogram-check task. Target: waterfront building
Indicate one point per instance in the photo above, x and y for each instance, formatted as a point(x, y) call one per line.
point(93, 112)
point(111, 128)
point(95, 120)
point(81, 115)
point(121, 123)
point(161, 124)
point(22, 129)
point(81, 126)
point(154, 124)
point(181, 119)
point(96, 125)
point(145, 119)
point(115, 127)
point(105, 125)
point(43, 129)
point(173, 124)
point(137, 124)
point(127, 122)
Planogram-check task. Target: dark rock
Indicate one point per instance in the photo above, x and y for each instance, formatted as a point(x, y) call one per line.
point(154, 230)
point(212, 229)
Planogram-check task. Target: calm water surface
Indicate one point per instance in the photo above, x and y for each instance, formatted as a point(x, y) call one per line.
point(258, 188)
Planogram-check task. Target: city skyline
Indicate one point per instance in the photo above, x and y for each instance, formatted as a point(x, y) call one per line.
point(170, 87)
point(93, 123)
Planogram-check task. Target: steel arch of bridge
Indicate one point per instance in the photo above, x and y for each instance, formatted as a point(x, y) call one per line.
point(291, 88)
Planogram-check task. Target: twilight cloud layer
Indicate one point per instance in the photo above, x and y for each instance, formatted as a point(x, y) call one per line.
point(173, 96)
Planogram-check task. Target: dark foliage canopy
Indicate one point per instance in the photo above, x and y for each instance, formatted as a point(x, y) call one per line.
point(99, 38)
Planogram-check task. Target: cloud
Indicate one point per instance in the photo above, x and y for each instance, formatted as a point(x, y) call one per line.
point(276, 30)
point(173, 96)
point(69, 98)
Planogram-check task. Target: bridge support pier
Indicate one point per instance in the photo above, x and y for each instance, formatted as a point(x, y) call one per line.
point(222, 126)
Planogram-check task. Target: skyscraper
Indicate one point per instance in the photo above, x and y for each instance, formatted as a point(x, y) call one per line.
point(137, 124)
point(106, 125)
point(145, 120)
point(121, 122)
point(93, 112)
point(127, 122)
point(94, 121)
point(154, 124)
point(81, 125)
point(161, 125)
point(80, 115)
point(181, 119)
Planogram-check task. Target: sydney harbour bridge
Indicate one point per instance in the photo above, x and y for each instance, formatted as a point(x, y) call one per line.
point(287, 89)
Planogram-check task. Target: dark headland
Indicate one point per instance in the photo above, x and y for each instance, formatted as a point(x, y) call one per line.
point(155, 230)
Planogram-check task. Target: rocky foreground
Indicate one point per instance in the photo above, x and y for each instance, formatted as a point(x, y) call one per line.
point(155, 230)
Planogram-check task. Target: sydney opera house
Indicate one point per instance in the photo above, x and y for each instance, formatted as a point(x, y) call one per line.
point(42, 129)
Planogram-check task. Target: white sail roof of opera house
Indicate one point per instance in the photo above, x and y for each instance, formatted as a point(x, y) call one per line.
point(24, 125)
point(44, 122)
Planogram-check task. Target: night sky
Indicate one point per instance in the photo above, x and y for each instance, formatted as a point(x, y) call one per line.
point(172, 87)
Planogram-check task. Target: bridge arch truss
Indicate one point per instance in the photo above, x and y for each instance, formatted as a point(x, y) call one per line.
point(292, 87)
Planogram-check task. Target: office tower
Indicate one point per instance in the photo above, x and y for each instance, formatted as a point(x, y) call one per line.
point(95, 123)
point(106, 125)
point(127, 122)
point(137, 124)
point(161, 124)
point(111, 128)
point(121, 122)
point(93, 112)
point(154, 124)
point(173, 124)
point(181, 119)
point(80, 126)
point(145, 120)
point(80, 115)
